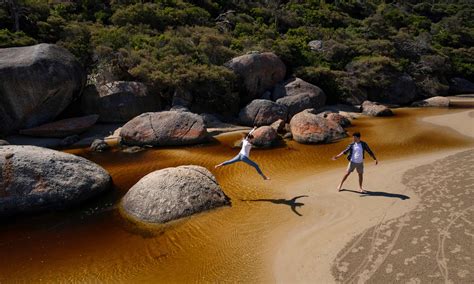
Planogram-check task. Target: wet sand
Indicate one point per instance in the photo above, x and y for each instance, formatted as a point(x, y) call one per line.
point(243, 243)
point(420, 209)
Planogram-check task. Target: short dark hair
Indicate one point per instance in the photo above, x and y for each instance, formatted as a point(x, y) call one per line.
point(356, 134)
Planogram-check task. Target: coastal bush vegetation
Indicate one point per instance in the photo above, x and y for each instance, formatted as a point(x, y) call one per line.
point(178, 44)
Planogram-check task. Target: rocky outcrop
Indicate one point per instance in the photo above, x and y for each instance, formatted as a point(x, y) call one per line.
point(307, 127)
point(300, 95)
point(258, 73)
point(173, 193)
point(36, 84)
point(460, 86)
point(262, 112)
point(432, 102)
point(99, 145)
point(167, 128)
point(62, 128)
point(337, 118)
point(375, 109)
point(119, 101)
point(265, 137)
point(34, 178)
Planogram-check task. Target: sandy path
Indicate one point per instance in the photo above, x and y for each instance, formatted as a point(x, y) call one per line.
point(308, 248)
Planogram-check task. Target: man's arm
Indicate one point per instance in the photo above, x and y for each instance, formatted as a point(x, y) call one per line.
point(367, 148)
point(343, 152)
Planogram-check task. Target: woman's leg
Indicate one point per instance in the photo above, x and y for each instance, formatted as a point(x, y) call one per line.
point(231, 161)
point(253, 164)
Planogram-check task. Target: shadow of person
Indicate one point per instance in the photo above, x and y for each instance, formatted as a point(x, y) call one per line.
point(290, 202)
point(379, 193)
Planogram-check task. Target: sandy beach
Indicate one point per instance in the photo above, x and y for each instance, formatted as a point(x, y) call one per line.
point(416, 224)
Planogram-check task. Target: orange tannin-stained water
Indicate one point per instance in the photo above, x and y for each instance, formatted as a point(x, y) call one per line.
point(95, 243)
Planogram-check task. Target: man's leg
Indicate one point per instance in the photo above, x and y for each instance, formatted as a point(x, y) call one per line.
point(360, 171)
point(343, 180)
point(231, 161)
point(253, 164)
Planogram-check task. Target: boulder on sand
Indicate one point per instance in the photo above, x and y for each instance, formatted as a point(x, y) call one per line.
point(36, 84)
point(265, 137)
point(34, 178)
point(375, 109)
point(432, 102)
point(173, 193)
point(307, 127)
point(166, 128)
point(337, 118)
point(262, 112)
point(63, 128)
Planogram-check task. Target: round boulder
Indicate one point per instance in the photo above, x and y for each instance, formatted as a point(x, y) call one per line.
point(265, 137)
point(262, 112)
point(99, 145)
point(4, 142)
point(259, 72)
point(432, 102)
point(307, 127)
point(36, 84)
point(300, 95)
point(167, 128)
point(375, 109)
point(173, 193)
point(34, 178)
point(119, 101)
point(337, 118)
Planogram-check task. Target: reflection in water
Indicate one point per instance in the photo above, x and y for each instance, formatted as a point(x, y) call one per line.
point(95, 243)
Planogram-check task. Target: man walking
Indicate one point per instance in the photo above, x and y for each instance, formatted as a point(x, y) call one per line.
point(355, 152)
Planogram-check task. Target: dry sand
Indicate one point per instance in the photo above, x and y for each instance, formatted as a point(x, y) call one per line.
point(416, 225)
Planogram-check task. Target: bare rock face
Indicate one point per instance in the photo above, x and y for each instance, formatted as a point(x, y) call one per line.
point(119, 101)
point(36, 84)
point(301, 95)
point(173, 193)
point(307, 127)
point(265, 137)
point(337, 118)
point(62, 128)
point(262, 112)
point(34, 179)
point(279, 126)
point(258, 72)
point(433, 102)
point(375, 109)
point(167, 128)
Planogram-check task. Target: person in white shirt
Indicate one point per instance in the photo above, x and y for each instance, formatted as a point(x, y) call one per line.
point(244, 155)
point(355, 156)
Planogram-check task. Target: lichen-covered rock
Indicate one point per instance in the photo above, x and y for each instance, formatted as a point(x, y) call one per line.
point(432, 102)
point(34, 179)
point(167, 128)
point(375, 109)
point(262, 112)
point(307, 127)
point(265, 137)
point(173, 193)
point(36, 84)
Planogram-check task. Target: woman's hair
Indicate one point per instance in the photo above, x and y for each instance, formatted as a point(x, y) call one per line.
point(250, 136)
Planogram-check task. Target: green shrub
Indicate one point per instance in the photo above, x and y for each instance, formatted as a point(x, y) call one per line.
point(10, 39)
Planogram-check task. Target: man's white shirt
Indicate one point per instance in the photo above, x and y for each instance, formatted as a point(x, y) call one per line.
point(357, 153)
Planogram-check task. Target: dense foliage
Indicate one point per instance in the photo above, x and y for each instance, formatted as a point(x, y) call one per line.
point(177, 44)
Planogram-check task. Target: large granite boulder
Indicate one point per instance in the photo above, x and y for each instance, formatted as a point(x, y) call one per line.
point(167, 128)
point(119, 101)
point(36, 84)
point(265, 137)
point(375, 109)
point(258, 73)
point(34, 178)
point(262, 112)
point(308, 127)
point(337, 118)
point(173, 193)
point(62, 128)
point(460, 86)
point(300, 95)
point(432, 102)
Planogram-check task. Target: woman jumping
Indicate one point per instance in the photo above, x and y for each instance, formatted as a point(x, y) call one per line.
point(244, 155)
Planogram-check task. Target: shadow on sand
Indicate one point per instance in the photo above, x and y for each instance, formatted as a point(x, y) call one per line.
point(379, 193)
point(290, 202)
